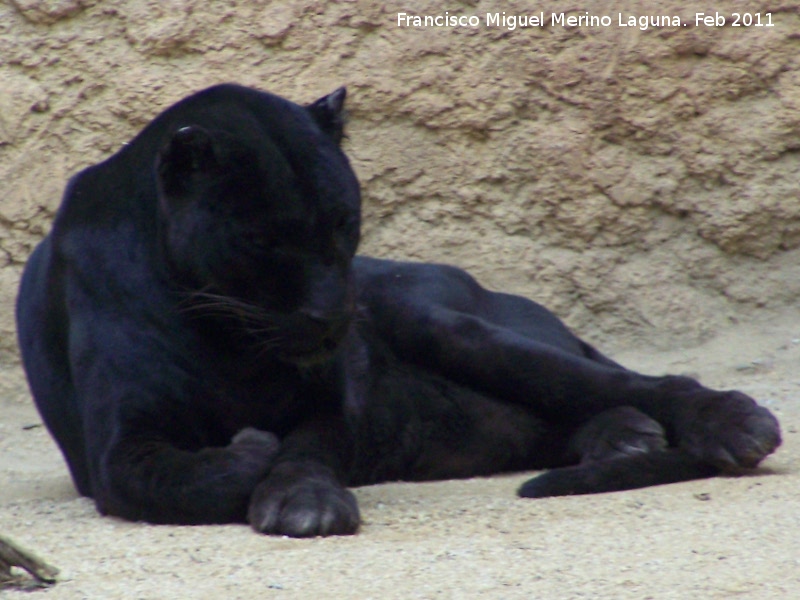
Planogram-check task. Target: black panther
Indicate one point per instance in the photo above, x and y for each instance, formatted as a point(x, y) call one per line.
point(205, 347)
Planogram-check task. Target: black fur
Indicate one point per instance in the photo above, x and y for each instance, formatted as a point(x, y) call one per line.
point(205, 348)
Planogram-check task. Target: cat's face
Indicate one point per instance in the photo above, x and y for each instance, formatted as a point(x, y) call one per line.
point(260, 218)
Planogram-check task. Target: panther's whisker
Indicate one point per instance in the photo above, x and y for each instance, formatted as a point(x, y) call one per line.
point(210, 304)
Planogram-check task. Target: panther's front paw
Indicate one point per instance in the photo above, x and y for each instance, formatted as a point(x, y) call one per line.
point(726, 429)
point(295, 502)
point(253, 439)
point(255, 450)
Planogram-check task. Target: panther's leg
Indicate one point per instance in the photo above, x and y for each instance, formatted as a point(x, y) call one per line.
point(619, 449)
point(149, 479)
point(726, 429)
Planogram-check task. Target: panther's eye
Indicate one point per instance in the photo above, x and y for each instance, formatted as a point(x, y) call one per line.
point(259, 240)
point(345, 223)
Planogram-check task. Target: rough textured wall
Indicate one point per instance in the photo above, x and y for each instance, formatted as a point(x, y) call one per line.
point(636, 181)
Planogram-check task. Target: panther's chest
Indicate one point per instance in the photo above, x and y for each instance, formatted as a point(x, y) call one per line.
point(235, 396)
point(243, 385)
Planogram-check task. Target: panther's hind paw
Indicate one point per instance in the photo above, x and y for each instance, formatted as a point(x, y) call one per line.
point(726, 429)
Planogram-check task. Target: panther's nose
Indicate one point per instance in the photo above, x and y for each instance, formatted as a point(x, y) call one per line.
point(328, 326)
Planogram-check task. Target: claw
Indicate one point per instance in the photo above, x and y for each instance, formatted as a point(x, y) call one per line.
point(720, 457)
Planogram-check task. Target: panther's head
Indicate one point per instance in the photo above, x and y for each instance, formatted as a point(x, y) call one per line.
point(259, 218)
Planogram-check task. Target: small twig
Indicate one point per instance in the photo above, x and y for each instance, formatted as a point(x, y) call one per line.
point(12, 555)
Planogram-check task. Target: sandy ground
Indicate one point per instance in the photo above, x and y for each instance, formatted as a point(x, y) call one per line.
point(719, 538)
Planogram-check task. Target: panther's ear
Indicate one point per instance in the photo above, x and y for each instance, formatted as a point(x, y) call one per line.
point(329, 114)
point(190, 150)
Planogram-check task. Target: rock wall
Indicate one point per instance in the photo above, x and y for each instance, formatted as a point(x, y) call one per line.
point(640, 181)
